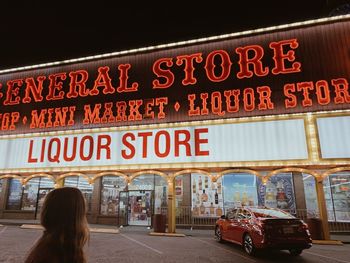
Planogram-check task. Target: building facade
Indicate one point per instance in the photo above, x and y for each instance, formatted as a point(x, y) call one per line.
point(187, 129)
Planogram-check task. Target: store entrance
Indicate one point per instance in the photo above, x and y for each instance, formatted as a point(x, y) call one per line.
point(139, 212)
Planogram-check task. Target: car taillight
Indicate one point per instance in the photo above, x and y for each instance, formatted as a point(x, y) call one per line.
point(303, 227)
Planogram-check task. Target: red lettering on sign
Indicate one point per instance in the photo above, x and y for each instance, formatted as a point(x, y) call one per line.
point(78, 80)
point(130, 146)
point(103, 80)
point(280, 57)
point(225, 65)
point(123, 79)
point(163, 73)
point(12, 93)
point(33, 89)
point(341, 91)
point(255, 61)
point(56, 84)
point(291, 100)
point(198, 142)
point(166, 145)
point(189, 68)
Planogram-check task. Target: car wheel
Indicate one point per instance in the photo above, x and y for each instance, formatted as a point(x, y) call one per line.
point(295, 251)
point(248, 245)
point(218, 234)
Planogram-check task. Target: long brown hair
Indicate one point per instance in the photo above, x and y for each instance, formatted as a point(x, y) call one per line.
point(66, 230)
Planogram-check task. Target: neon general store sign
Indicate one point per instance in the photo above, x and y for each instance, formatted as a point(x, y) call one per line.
point(299, 70)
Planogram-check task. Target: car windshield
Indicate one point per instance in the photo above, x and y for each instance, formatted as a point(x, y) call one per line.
point(270, 213)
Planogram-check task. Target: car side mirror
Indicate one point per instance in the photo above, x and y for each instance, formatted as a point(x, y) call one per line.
point(223, 217)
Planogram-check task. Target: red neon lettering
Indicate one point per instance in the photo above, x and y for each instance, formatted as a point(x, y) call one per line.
point(56, 84)
point(305, 87)
point(216, 103)
point(92, 117)
point(265, 98)
point(103, 80)
point(291, 100)
point(121, 111)
point(149, 113)
point(341, 91)
point(78, 80)
point(249, 99)
point(204, 98)
point(33, 89)
point(161, 102)
point(322, 92)
point(255, 61)
point(162, 73)
point(13, 91)
point(135, 114)
point(123, 79)
point(280, 57)
point(108, 113)
point(189, 68)
point(225, 65)
point(193, 111)
point(235, 93)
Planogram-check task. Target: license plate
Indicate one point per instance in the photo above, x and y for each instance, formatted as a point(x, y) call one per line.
point(288, 230)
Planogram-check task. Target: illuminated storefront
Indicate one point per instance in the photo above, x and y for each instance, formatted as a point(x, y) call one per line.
point(187, 129)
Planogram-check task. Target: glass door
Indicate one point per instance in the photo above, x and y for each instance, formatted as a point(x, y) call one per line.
point(140, 208)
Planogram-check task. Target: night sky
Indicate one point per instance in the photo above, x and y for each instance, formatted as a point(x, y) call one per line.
point(37, 31)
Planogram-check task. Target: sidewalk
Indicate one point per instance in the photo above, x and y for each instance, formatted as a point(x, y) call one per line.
point(344, 238)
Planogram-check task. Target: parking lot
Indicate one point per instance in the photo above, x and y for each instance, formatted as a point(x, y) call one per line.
point(134, 244)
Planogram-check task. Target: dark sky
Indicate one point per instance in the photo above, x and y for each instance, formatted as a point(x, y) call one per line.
point(37, 31)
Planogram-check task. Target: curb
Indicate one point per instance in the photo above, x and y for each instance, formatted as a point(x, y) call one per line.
point(166, 234)
point(327, 242)
point(92, 229)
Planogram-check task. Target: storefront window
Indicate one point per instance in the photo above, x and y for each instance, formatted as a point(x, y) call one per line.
point(111, 186)
point(25, 197)
point(278, 192)
point(340, 188)
point(30, 194)
point(329, 200)
point(83, 185)
point(310, 196)
point(207, 197)
point(160, 195)
point(15, 195)
point(239, 190)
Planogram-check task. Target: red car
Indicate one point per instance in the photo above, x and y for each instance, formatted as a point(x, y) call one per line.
point(263, 228)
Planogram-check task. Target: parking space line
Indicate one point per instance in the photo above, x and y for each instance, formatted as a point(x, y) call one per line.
point(3, 230)
point(331, 258)
point(142, 244)
point(227, 250)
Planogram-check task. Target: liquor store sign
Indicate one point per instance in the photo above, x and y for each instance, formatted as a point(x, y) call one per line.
point(176, 145)
point(300, 70)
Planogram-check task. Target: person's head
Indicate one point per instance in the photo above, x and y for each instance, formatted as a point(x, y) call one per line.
point(64, 214)
point(66, 229)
